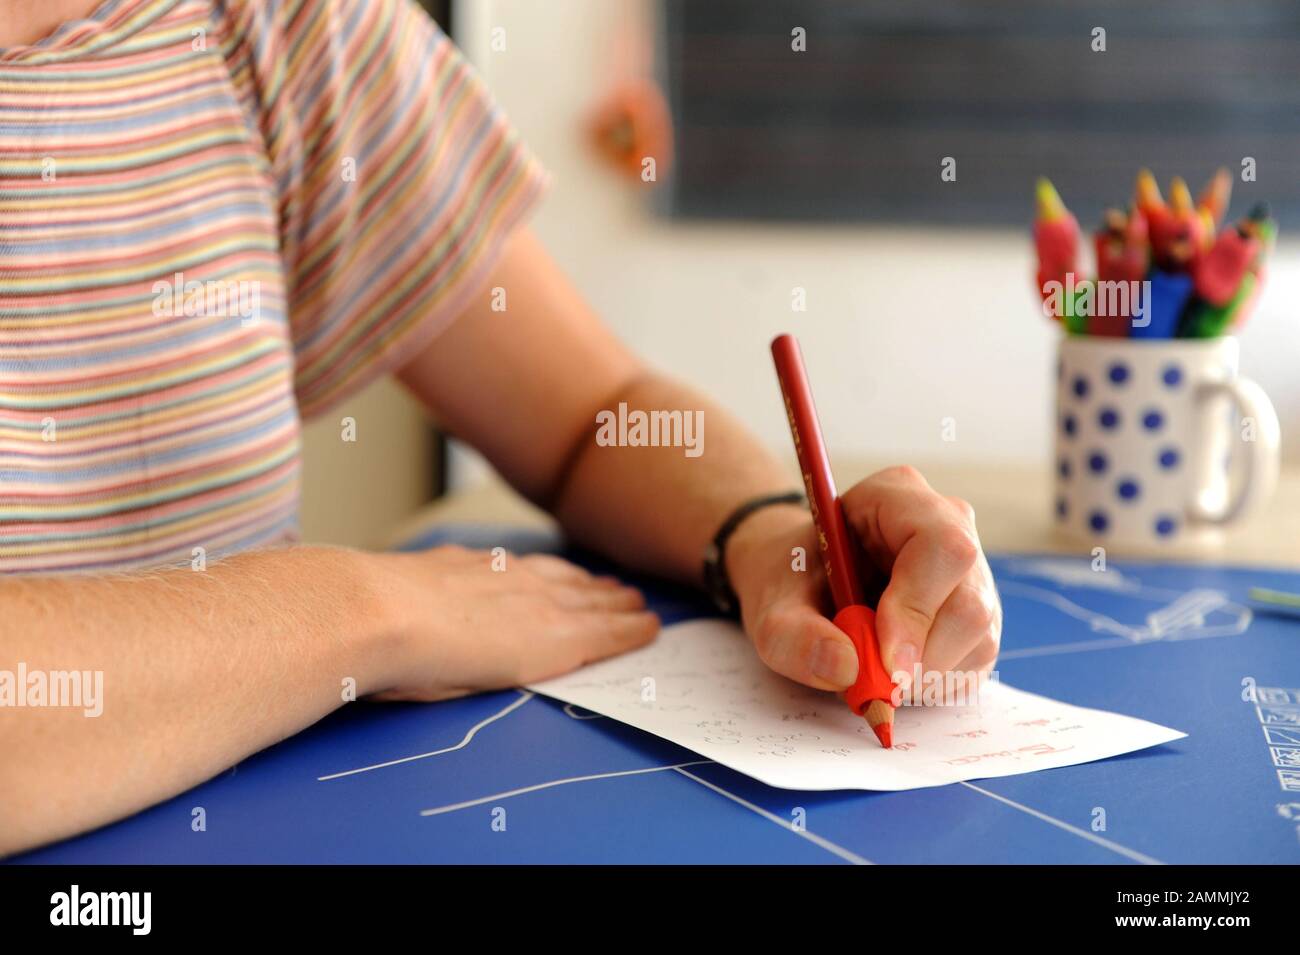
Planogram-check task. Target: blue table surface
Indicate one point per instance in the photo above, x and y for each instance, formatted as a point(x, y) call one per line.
point(513, 777)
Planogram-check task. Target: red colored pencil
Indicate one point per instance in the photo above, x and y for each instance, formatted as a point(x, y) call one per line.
point(872, 694)
point(1122, 256)
point(1219, 272)
point(1177, 229)
point(1056, 237)
point(1212, 203)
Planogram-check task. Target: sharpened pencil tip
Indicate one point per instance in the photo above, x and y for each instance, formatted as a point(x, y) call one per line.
point(1048, 201)
point(885, 733)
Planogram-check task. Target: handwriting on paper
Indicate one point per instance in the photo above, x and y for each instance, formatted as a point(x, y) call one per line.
point(700, 685)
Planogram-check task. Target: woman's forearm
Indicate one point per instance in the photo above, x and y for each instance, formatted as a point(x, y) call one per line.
point(657, 508)
point(196, 670)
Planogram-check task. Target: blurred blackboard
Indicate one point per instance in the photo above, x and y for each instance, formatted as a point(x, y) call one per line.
point(856, 127)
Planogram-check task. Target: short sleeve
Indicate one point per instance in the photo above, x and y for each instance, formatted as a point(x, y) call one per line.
point(398, 179)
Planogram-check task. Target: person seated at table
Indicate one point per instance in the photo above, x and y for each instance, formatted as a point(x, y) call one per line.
point(219, 218)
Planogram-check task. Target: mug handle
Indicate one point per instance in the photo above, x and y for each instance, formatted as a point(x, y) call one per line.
point(1262, 457)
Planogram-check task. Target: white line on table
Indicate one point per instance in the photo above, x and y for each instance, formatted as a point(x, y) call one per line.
point(439, 810)
point(524, 697)
point(1074, 830)
point(1081, 646)
point(574, 714)
point(812, 837)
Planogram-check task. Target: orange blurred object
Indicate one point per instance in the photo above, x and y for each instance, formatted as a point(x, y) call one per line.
point(634, 124)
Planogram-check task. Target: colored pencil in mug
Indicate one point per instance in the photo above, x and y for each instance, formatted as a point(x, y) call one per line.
point(1176, 227)
point(1123, 255)
point(1212, 203)
point(1056, 239)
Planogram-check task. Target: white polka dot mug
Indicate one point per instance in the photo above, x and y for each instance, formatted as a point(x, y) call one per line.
point(1160, 445)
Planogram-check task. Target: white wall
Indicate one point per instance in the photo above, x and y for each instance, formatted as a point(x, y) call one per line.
point(904, 326)
point(355, 492)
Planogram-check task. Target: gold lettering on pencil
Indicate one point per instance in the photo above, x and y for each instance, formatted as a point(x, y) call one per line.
point(812, 498)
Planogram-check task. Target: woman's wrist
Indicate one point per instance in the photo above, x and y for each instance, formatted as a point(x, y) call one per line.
point(371, 649)
point(759, 548)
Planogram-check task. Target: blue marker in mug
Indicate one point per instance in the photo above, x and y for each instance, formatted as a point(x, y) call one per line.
point(1164, 297)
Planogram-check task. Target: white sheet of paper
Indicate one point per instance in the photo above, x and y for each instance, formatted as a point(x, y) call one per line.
point(711, 694)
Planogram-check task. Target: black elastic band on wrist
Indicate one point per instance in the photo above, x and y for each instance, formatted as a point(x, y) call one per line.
point(717, 583)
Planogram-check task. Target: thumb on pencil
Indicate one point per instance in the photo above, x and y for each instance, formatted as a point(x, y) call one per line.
point(794, 639)
point(938, 581)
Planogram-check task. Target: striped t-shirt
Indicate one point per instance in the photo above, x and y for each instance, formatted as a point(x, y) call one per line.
point(217, 216)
